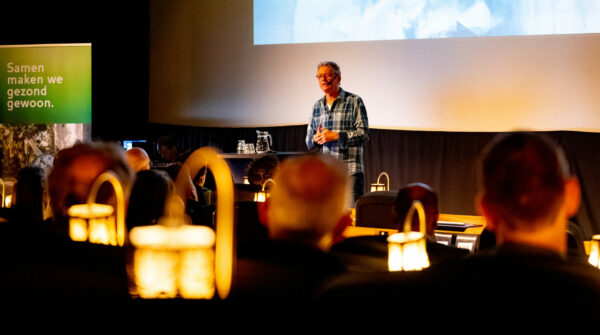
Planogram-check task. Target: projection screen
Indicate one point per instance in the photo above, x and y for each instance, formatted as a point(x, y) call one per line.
point(457, 67)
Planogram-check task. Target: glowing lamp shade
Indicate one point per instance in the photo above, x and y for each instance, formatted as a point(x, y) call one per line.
point(172, 261)
point(175, 260)
point(93, 222)
point(261, 196)
point(595, 251)
point(376, 187)
point(3, 193)
point(407, 250)
point(246, 181)
point(96, 223)
point(8, 201)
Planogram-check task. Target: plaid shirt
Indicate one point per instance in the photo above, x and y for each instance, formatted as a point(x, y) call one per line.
point(348, 117)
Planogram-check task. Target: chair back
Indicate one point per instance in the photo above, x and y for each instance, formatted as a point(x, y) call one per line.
point(376, 210)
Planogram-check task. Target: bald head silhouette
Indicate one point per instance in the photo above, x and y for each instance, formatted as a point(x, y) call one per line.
point(138, 159)
point(308, 199)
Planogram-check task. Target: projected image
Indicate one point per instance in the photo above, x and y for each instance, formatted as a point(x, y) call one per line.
point(310, 21)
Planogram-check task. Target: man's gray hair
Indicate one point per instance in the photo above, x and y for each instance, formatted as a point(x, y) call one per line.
point(332, 65)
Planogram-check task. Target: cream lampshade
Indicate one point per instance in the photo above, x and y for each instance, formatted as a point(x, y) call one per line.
point(262, 195)
point(176, 260)
point(95, 222)
point(376, 187)
point(595, 251)
point(407, 249)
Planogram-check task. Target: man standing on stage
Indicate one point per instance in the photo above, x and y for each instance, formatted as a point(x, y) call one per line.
point(339, 124)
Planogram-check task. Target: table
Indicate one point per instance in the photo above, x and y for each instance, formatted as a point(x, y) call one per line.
point(467, 239)
point(238, 163)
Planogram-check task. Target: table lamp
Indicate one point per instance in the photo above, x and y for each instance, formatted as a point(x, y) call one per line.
point(173, 259)
point(95, 222)
point(407, 249)
point(262, 195)
point(595, 251)
point(375, 187)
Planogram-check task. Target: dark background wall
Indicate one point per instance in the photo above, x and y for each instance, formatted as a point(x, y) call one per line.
point(118, 31)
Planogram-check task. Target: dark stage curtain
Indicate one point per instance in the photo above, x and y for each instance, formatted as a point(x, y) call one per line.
point(447, 161)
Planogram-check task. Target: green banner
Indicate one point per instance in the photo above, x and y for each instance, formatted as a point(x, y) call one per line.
point(44, 84)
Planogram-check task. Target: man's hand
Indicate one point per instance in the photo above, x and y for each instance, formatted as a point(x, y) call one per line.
point(323, 136)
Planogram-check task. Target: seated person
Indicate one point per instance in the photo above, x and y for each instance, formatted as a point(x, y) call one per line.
point(205, 195)
point(75, 170)
point(148, 197)
point(309, 199)
point(169, 151)
point(197, 212)
point(370, 253)
point(30, 194)
point(49, 267)
point(262, 169)
point(258, 172)
point(527, 196)
point(138, 159)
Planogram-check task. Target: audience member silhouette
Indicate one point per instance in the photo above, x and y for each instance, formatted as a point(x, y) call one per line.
point(31, 192)
point(54, 277)
point(169, 151)
point(148, 197)
point(205, 195)
point(138, 159)
point(196, 211)
point(75, 170)
point(308, 200)
point(262, 169)
point(527, 196)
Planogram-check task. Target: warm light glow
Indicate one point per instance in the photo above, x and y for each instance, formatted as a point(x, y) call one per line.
point(246, 181)
point(93, 222)
point(376, 187)
point(3, 191)
point(595, 251)
point(78, 229)
point(408, 250)
point(261, 196)
point(171, 261)
point(224, 256)
point(8, 201)
point(113, 180)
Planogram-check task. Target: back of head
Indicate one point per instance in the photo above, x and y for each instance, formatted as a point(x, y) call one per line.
point(75, 170)
point(262, 169)
point(523, 177)
point(148, 197)
point(30, 187)
point(138, 159)
point(309, 198)
point(428, 198)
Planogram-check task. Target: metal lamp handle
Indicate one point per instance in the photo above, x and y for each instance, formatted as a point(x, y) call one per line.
point(416, 206)
point(112, 178)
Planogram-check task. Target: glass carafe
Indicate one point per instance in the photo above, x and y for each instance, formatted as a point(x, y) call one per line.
point(263, 141)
